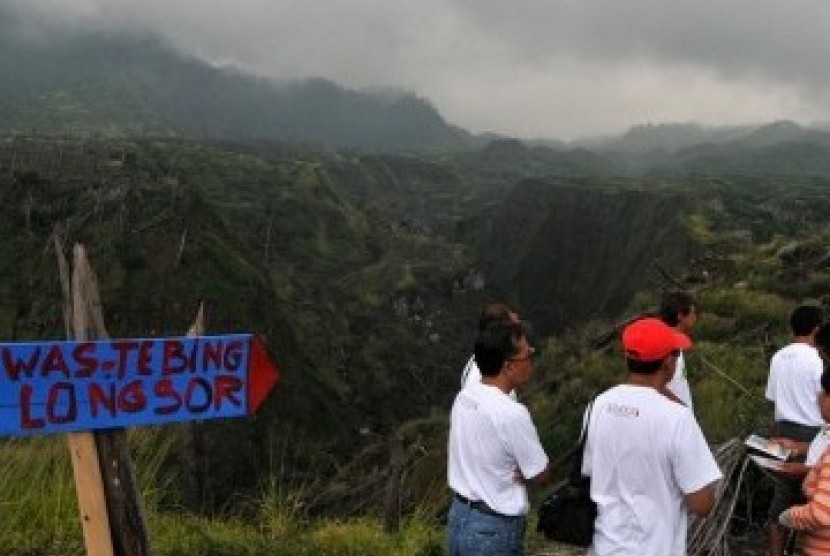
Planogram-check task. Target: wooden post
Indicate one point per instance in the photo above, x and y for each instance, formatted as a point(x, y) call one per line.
point(126, 514)
point(108, 496)
point(88, 482)
point(195, 446)
point(91, 501)
point(392, 494)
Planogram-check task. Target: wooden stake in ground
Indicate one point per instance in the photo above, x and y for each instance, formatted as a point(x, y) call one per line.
point(88, 482)
point(115, 526)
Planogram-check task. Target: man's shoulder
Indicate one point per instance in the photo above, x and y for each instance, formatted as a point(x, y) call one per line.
point(796, 351)
point(643, 397)
point(491, 397)
point(503, 407)
point(797, 348)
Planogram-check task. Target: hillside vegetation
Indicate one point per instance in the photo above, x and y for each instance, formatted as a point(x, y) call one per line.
point(363, 273)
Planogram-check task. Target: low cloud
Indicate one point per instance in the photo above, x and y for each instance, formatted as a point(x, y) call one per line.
point(532, 68)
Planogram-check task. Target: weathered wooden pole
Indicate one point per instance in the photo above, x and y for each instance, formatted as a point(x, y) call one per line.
point(123, 514)
point(86, 469)
point(392, 493)
point(195, 443)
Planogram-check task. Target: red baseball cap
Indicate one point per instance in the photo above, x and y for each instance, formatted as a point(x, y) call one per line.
point(651, 339)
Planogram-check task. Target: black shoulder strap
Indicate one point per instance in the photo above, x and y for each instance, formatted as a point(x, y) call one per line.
point(576, 468)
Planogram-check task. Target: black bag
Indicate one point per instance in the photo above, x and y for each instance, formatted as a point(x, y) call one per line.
point(567, 515)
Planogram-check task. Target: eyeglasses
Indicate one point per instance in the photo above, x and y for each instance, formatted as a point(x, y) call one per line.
point(531, 353)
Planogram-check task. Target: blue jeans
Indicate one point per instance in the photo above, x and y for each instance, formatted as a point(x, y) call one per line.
point(473, 533)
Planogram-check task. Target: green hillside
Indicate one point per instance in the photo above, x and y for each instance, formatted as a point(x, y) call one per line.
point(364, 273)
point(85, 83)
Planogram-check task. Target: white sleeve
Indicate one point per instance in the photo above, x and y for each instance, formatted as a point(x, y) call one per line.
point(523, 442)
point(693, 464)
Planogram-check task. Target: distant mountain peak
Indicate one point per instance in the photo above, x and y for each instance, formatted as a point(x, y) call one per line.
point(88, 82)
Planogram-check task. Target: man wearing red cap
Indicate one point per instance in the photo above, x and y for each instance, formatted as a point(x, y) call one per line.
point(648, 460)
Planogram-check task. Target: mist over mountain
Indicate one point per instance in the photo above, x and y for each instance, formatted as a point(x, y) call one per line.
point(96, 83)
point(665, 137)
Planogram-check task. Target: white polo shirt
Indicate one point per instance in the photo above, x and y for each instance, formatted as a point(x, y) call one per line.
point(794, 384)
point(472, 375)
point(644, 453)
point(491, 437)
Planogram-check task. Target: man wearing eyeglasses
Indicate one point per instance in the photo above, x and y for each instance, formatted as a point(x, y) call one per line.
point(493, 312)
point(493, 449)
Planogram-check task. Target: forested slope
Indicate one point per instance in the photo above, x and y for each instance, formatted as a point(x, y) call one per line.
point(364, 273)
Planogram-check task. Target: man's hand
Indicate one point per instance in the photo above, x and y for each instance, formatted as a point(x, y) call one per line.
point(796, 448)
point(792, 469)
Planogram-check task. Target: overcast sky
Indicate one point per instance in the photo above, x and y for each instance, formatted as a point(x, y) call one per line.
point(531, 68)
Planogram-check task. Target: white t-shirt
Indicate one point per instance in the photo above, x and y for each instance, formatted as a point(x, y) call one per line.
point(472, 375)
point(679, 384)
point(794, 384)
point(643, 453)
point(492, 436)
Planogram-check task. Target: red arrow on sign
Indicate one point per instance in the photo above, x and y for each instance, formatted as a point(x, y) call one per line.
point(263, 374)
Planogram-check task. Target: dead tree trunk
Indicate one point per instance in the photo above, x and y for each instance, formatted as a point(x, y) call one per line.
point(392, 496)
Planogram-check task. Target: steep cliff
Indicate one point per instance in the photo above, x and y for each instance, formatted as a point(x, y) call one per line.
point(566, 251)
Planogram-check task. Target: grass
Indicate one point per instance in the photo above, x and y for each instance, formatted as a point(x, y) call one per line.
point(40, 516)
point(37, 498)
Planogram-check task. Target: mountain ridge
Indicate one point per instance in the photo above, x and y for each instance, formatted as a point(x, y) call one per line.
point(114, 85)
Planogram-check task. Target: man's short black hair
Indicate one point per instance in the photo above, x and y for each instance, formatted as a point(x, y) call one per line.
point(805, 319)
point(494, 311)
point(674, 303)
point(496, 343)
point(643, 367)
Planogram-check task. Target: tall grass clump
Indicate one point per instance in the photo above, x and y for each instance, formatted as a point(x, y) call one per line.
point(38, 509)
point(748, 308)
point(365, 537)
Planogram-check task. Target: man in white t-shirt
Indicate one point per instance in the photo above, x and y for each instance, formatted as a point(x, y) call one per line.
point(793, 387)
point(492, 312)
point(678, 309)
point(648, 460)
point(493, 449)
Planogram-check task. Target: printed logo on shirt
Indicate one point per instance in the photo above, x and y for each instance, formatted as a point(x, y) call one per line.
point(625, 411)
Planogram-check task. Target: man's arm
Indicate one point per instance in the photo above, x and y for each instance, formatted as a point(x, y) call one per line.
point(797, 449)
point(814, 514)
point(542, 478)
point(702, 501)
